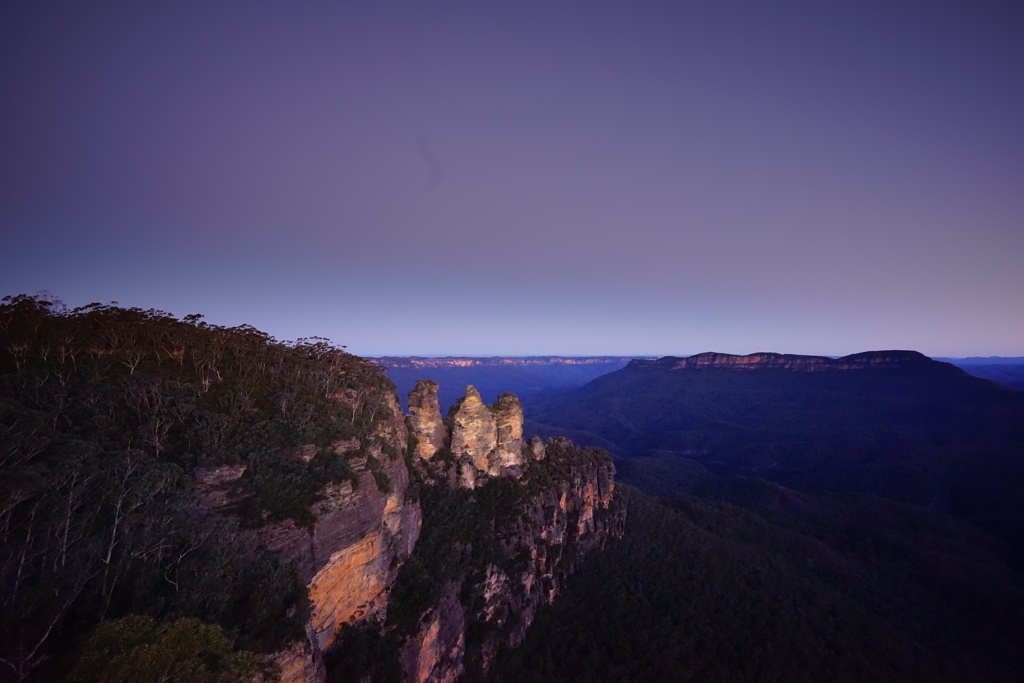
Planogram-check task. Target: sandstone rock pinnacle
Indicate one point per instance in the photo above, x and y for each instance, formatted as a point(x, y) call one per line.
point(474, 436)
point(537, 449)
point(508, 418)
point(426, 428)
point(487, 441)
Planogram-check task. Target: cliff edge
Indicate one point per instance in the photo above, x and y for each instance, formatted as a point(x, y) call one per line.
point(505, 522)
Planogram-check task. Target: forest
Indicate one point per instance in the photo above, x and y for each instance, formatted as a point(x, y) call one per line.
point(758, 583)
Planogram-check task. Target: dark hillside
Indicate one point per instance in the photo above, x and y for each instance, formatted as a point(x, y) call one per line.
point(1012, 375)
point(892, 424)
point(784, 587)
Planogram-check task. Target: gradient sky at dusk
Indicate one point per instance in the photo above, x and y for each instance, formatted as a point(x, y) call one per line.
point(518, 177)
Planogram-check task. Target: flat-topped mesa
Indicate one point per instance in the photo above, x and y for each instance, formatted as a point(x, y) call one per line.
point(427, 431)
point(757, 361)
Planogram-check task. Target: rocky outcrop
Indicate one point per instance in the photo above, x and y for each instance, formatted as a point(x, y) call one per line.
point(485, 440)
point(436, 653)
point(557, 527)
point(474, 436)
point(427, 431)
point(533, 512)
point(536, 448)
point(508, 420)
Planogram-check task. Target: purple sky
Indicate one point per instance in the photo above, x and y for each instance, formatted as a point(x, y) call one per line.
point(521, 177)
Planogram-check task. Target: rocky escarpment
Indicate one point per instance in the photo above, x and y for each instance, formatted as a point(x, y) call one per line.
point(445, 554)
point(427, 431)
point(185, 471)
point(365, 529)
point(504, 524)
point(537, 530)
point(496, 361)
point(528, 537)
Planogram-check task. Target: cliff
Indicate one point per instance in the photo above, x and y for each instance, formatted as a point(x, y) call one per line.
point(419, 362)
point(166, 474)
point(536, 531)
point(365, 529)
point(504, 524)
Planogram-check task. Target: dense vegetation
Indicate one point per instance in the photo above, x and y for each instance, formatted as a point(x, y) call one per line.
point(920, 432)
point(784, 587)
point(105, 415)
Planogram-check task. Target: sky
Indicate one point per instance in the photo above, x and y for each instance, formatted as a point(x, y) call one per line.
point(526, 178)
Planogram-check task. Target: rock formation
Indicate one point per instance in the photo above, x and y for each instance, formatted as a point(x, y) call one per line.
point(486, 441)
point(427, 431)
point(474, 438)
point(537, 448)
point(436, 653)
point(537, 510)
point(508, 418)
point(562, 509)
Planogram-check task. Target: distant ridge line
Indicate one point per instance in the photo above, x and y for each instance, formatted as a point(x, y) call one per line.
point(493, 361)
point(755, 361)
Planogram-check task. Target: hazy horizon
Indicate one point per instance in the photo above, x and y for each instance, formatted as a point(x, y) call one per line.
point(517, 178)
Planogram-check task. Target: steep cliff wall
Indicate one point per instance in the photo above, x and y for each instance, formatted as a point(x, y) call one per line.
point(532, 531)
point(364, 531)
point(504, 524)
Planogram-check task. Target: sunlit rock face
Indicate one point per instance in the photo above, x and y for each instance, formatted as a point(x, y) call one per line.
point(474, 437)
point(435, 654)
point(427, 431)
point(560, 506)
point(486, 440)
point(353, 554)
point(508, 419)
